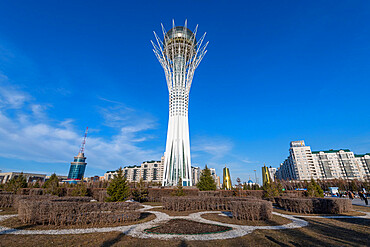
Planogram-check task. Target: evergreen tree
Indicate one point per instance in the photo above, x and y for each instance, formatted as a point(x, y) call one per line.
point(140, 193)
point(314, 190)
point(79, 190)
point(271, 190)
point(206, 181)
point(118, 189)
point(179, 190)
point(52, 185)
point(16, 183)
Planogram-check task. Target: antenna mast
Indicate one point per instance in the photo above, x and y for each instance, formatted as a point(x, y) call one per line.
point(82, 149)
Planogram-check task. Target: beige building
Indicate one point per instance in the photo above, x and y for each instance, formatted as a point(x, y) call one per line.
point(363, 161)
point(30, 177)
point(152, 171)
point(149, 171)
point(304, 164)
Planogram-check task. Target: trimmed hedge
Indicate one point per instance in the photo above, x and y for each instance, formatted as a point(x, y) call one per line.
point(251, 210)
point(200, 203)
point(59, 212)
point(156, 194)
point(258, 194)
point(6, 200)
point(314, 205)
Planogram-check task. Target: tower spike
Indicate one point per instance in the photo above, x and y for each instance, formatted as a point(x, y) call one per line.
point(82, 149)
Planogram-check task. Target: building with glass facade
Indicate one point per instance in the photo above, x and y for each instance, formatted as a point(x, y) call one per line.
point(77, 169)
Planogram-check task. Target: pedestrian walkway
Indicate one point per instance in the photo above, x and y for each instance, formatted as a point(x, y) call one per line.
point(360, 202)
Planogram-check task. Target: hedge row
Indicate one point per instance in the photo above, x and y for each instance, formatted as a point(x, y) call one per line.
point(258, 194)
point(6, 200)
point(59, 212)
point(314, 205)
point(251, 210)
point(200, 203)
point(96, 193)
point(11, 200)
point(156, 194)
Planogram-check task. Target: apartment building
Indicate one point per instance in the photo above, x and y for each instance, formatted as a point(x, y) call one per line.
point(304, 164)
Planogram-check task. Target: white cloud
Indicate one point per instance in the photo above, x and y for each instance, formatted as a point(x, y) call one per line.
point(10, 98)
point(217, 147)
point(24, 135)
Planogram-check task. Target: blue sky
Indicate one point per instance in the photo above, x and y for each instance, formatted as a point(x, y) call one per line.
point(275, 71)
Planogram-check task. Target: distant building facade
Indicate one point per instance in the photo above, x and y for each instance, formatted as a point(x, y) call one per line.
point(149, 171)
point(304, 164)
point(152, 171)
point(272, 172)
point(364, 164)
point(30, 177)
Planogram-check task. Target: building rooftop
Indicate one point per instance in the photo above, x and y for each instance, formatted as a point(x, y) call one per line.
point(331, 151)
point(361, 155)
point(134, 166)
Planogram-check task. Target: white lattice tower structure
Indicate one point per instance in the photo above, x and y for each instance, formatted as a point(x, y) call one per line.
point(179, 54)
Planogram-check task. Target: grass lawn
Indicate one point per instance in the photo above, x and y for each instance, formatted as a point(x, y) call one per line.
point(352, 213)
point(152, 203)
point(6, 211)
point(320, 232)
point(361, 208)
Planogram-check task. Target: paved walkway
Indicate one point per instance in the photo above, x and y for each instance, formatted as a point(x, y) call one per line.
point(137, 230)
point(359, 202)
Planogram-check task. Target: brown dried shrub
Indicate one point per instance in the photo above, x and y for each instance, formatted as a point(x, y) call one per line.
point(200, 203)
point(17, 199)
point(315, 205)
point(98, 194)
point(156, 194)
point(57, 212)
point(36, 192)
point(294, 193)
point(6, 200)
point(251, 210)
point(23, 191)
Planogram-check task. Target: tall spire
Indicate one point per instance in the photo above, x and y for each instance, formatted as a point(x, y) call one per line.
point(82, 149)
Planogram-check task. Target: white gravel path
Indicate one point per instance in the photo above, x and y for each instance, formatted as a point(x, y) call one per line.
point(137, 230)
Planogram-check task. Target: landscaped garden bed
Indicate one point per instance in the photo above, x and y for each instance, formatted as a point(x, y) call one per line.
point(275, 221)
point(182, 226)
point(16, 223)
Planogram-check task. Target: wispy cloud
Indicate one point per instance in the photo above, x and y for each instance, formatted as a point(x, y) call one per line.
point(30, 135)
point(215, 146)
point(10, 97)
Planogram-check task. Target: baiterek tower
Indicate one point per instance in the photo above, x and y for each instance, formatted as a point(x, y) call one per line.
point(179, 54)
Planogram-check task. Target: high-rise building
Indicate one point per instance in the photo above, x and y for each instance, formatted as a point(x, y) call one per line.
point(148, 171)
point(363, 161)
point(195, 174)
point(179, 54)
point(304, 164)
point(272, 172)
point(226, 179)
point(78, 166)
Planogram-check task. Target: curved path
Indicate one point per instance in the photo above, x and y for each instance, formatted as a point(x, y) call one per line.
point(137, 230)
